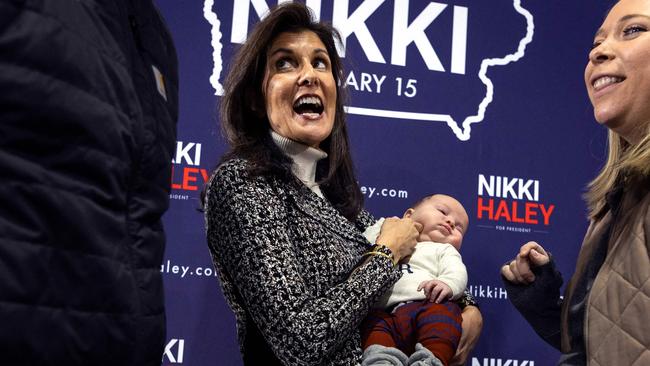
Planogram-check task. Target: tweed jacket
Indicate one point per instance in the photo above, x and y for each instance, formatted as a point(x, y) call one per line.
point(286, 261)
point(618, 308)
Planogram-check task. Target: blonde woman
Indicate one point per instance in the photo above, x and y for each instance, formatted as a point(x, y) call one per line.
point(603, 316)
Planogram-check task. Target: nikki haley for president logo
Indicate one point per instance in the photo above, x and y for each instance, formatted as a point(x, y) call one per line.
point(512, 204)
point(187, 173)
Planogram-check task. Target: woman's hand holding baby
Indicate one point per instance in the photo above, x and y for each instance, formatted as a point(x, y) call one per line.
point(399, 235)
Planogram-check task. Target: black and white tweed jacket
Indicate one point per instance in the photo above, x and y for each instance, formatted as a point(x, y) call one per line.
point(286, 260)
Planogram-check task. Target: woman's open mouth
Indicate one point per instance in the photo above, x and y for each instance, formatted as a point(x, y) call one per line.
point(308, 106)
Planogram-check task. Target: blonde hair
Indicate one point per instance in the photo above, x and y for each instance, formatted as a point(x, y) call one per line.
point(623, 161)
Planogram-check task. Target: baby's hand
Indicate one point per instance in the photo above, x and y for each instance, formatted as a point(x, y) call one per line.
point(435, 290)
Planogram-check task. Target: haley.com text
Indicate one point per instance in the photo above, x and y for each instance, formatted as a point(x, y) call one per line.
point(375, 192)
point(170, 268)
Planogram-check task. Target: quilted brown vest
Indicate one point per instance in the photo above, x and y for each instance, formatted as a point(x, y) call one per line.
point(617, 324)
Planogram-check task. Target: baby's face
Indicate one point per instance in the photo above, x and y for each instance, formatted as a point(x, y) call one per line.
point(443, 220)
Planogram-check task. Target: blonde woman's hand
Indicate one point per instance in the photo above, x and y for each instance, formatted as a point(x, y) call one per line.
point(519, 270)
point(399, 235)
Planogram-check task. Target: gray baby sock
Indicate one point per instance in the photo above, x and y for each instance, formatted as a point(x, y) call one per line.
point(378, 355)
point(423, 357)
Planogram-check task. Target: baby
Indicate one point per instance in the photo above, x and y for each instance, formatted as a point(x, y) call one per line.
point(414, 317)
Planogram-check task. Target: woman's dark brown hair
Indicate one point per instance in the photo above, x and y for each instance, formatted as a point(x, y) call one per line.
point(245, 124)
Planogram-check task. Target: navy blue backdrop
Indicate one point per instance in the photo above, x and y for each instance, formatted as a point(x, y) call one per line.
point(480, 99)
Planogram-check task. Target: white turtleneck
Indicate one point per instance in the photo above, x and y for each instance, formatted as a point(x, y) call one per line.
point(304, 159)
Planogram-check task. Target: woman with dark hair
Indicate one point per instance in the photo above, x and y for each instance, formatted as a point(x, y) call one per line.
point(604, 314)
point(284, 210)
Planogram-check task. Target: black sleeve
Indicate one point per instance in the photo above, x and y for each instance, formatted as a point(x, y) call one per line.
point(540, 302)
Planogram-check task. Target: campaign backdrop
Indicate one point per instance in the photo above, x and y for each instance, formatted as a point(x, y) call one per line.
point(483, 100)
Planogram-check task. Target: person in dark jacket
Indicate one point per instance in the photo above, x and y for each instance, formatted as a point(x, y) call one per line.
point(88, 109)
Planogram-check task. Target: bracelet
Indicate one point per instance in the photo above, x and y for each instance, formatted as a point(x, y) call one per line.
point(381, 254)
point(467, 300)
point(381, 250)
